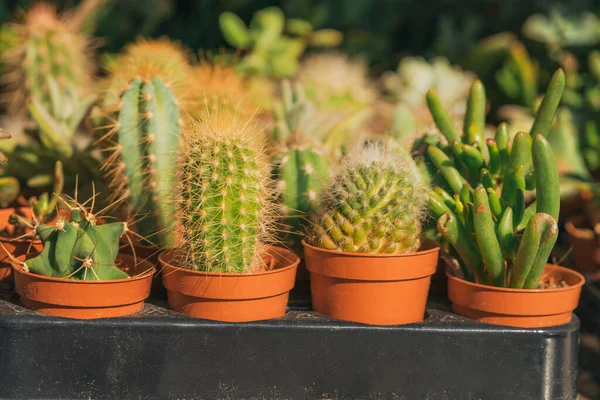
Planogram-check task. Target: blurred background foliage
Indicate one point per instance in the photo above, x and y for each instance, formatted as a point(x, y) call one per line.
point(381, 30)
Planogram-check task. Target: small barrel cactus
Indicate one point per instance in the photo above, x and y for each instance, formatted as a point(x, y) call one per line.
point(374, 204)
point(480, 204)
point(143, 111)
point(77, 248)
point(224, 195)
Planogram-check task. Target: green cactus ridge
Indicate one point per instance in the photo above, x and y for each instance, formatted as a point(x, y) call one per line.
point(373, 205)
point(225, 201)
point(147, 131)
point(79, 249)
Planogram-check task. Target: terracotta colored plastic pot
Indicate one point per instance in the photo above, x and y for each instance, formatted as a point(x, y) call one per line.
point(18, 247)
point(11, 246)
point(586, 250)
point(149, 254)
point(524, 308)
point(86, 299)
point(376, 289)
point(231, 297)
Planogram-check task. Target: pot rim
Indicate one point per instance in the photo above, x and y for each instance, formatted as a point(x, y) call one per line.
point(575, 229)
point(432, 247)
point(576, 286)
point(167, 264)
point(147, 273)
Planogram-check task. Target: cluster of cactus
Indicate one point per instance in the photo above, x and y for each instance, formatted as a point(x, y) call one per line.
point(269, 50)
point(9, 186)
point(143, 115)
point(49, 71)
point(408, 85)
point(480, 203)
point(78, 248)
point(343, 95)
point(374, 204)
point(224, 196)
point(301, 168)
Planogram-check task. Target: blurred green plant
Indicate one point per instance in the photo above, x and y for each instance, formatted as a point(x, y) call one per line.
point(272, 46)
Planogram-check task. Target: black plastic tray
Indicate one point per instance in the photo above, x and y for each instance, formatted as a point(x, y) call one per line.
point(158, 354)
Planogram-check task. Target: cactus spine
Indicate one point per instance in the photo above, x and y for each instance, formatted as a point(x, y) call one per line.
point(143, 107)
point(482, 196)
point(375, 204)
point(224, 195)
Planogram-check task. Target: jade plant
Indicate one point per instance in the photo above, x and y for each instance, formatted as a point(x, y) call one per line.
point(480, 203)
point(143, 113)
point(78, 248)
point(374, 204)
point(272, 45)
point(301, 166)
point(224, 195)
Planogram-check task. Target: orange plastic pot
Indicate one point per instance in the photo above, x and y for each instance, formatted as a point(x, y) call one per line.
point(231, 297)
point(375, 289)
point(524, 308)
point(16, 247)
point(86, 299)
point(586, 251)
point(149, 254)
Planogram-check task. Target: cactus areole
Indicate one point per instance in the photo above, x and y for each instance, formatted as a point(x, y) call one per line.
point(480, 201)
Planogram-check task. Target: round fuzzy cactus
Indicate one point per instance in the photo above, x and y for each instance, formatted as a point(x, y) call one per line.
point(46, 49)
point(374, 204)
point(224, 195)
point(143, 106)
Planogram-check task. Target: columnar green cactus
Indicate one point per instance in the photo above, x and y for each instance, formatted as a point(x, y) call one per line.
point(49, 71)
point(78, 248)
point(46, 46)
point(143, 113)
point(224, 195)
point(301, 168)
point(481, 208)
point(375, 204)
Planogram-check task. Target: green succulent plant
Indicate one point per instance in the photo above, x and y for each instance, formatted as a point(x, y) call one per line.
point(273, 46)
point(479, 203)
